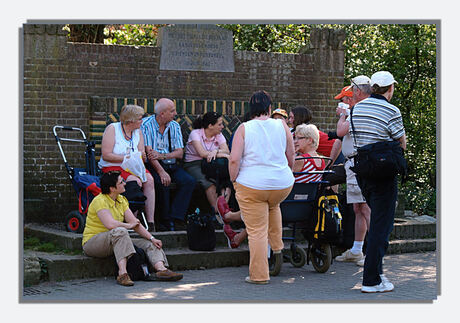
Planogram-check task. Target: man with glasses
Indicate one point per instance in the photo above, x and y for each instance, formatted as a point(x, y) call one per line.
point(350, 95)
point(164, 146)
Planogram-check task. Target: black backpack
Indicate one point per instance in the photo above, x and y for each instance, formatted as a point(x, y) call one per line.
point(135, 265)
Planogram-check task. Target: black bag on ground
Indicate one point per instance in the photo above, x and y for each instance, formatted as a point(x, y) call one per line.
point(200, 232)
point(137, 265)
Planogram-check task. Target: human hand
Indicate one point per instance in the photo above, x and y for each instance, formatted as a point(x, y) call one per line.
point(132, 225)
point(153, 155)
point(165, 178)
point(342, 108)
point(157, 243)
point(211, 155)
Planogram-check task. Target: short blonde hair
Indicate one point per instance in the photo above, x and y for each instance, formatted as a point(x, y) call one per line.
point(131, 113)
point(308, 131)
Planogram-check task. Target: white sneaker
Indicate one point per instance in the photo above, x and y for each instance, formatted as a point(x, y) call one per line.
point(361, 262)
point(349, 256)
point(383, 287)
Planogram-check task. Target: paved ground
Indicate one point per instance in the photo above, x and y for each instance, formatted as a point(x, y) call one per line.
point(414, 277)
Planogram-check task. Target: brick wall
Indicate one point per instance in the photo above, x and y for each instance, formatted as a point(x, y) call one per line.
point(60, 78)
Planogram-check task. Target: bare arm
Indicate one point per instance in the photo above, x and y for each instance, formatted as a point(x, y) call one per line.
point(290, 150)
point(108, 142)
point(298, 164)
point(335, 151)
point(342, 126)
point(199, 149)
point(130, 218)
point(237, 153)
point(110, 223)
point(403, 141)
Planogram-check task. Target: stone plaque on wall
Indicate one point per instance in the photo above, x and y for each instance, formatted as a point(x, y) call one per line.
point(196, 48)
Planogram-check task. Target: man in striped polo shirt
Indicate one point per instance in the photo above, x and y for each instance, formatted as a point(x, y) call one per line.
point(373, 120)
point(164, 146)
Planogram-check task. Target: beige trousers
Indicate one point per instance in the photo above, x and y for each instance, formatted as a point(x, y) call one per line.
point(118, 242)
point(262, 217)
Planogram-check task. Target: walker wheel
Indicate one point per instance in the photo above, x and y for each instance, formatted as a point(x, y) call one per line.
point(321, 256)
point(298, 256)
point(274, 263)
point(75, 222)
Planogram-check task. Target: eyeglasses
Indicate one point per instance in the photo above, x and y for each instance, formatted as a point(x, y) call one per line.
point(298, 138)
point(123, 181)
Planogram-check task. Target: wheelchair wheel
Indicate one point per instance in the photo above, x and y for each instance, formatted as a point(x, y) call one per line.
point(75, 222)
point(274, 263)
point(298, 256)
point(321, 256)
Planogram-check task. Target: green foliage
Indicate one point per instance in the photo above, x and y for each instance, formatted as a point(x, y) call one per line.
point(139, 35)
point(408, 51)
point(287, 38)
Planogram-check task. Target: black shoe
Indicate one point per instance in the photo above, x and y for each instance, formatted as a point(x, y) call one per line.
point(180, 225)
point(165, 226)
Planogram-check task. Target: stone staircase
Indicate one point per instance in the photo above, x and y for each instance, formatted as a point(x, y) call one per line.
point(410, 234)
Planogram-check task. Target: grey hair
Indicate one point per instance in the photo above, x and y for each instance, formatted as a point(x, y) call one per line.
point(162, 104)
point(366, 88)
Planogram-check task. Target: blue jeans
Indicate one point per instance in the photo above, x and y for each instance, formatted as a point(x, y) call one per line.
point(185, 186)
point(381, 197)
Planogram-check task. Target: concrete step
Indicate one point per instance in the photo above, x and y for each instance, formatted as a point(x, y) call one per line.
point(404, 228)
point(61, 267)
point(409, 235)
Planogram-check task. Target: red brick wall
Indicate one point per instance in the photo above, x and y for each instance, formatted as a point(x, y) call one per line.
point(60, 78)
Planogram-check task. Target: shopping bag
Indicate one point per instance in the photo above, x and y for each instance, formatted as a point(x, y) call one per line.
point(133, 164)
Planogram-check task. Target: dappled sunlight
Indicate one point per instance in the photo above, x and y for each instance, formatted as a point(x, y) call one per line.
point(148, 295)
point(188, 287)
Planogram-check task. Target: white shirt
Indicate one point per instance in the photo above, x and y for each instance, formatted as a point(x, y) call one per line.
point(264, 165)
point(122, 145)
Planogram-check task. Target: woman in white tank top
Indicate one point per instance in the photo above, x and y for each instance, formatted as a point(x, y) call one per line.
point(118, 140)
point(260, 166)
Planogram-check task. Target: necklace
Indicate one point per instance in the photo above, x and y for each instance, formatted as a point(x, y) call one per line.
point(130, 139)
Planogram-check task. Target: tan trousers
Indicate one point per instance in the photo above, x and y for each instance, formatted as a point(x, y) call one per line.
point(262, 217)
point(118, 242)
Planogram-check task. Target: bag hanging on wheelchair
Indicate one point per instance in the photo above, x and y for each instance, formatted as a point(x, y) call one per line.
point(328, 220)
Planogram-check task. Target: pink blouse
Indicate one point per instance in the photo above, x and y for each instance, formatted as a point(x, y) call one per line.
point(208, 144)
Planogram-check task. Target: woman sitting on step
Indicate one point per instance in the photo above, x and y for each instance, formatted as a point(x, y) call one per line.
point(106, 232)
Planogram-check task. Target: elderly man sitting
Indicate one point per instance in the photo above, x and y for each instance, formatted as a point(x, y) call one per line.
point(106, 232)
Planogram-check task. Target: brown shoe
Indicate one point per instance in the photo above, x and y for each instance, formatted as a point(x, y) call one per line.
point(168, 275)
point(124, 280)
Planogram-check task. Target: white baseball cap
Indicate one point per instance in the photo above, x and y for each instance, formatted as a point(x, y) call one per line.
point(360, 80)
point(382, 78)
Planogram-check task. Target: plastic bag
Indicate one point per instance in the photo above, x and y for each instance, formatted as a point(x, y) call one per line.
point(134, 164)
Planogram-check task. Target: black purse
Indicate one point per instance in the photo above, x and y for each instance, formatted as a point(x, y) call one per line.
point(201, 234)
point(380, 160)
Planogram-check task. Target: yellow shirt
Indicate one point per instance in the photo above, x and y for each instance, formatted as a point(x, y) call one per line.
point(93, 224)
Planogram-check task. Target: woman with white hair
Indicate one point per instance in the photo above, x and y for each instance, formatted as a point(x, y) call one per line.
point(118, 140)
point(306, 140)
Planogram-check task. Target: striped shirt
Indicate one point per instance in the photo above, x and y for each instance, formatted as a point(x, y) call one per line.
point(160, 141)
point(309, 166)
point(374, 120)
